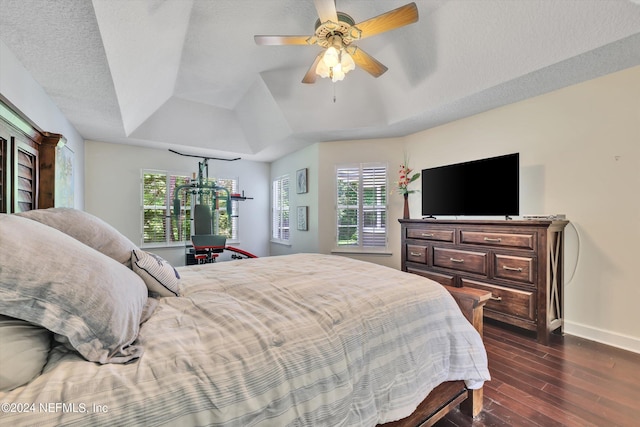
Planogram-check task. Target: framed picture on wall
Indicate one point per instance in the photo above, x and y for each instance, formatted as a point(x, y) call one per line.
point(301, 181)
point(302, 218)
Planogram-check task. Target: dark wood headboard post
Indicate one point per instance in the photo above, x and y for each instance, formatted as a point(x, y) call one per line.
point(27, 162)
point(47, 179)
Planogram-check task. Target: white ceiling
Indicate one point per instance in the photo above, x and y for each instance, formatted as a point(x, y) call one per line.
point(187, 74)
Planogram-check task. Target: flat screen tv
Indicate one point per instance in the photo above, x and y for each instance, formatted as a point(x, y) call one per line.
point(486, 187)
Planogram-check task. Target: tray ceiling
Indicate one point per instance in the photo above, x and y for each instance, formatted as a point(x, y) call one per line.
point(186, 74)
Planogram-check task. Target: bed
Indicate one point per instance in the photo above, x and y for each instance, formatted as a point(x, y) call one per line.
point(109, 334)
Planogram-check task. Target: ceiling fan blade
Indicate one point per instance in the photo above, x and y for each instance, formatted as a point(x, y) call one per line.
point(311, 75)
point(326, 10)
point(281, 40)
point(396, 18)
point(366, 61)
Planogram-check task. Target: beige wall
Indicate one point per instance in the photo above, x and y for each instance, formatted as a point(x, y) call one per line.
point(580, 155)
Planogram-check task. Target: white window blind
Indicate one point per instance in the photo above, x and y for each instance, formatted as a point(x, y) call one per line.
point(280, 209)
point(362, 206)
point(227, 226)
point(157, 224)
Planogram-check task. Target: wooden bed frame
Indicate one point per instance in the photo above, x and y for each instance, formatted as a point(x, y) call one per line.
point(450, 394)
point(27, 181)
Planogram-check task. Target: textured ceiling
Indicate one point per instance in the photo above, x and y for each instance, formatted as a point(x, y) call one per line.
point(187, 74)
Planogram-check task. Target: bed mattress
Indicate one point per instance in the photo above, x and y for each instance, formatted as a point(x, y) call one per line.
point(299, 340)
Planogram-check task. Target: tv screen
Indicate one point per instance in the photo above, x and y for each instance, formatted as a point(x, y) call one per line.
point(485, 187)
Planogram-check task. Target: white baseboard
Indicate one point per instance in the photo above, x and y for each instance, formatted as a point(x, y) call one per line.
point(625, 342)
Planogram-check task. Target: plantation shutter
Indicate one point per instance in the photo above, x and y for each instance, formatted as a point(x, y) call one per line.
point(280, 209)
point(154, 207)
point(374, 206)
point(227, 226)
point(348, 180)
point(362, 206)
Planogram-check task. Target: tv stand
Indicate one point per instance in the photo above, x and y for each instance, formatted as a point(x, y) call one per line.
point(429, 217)
point(519, 261)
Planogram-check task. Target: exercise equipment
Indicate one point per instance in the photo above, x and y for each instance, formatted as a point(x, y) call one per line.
point(205, 196)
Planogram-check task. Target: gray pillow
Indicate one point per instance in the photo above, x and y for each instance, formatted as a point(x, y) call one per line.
point(52, 280)
point(88, 229)
point(23, 352)
point(159, 276)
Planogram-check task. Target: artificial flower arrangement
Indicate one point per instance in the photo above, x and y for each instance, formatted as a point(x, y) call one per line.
point(406, 178)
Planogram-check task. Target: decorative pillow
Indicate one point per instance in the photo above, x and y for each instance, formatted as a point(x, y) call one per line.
point(87, 228)
point(159, 276)
point(50, 279)
point(23, 353)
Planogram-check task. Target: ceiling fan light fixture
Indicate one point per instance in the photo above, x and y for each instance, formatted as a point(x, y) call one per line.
point(335, 64)
point(337, 74)
point(346, 62)
point(336, 31)
point(323, 70)
point(331, 57)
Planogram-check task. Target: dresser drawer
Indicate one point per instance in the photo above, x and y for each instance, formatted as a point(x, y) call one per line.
point(430, 234)
point(417, 253)
point(514, 302)
point(510, 240)
point(443, 279)
point(472, 262)
point(521, 269)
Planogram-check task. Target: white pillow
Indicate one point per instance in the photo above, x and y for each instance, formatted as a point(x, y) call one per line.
point(88, 229)
point(50, 279)
point(23, 352)
point(159, 276)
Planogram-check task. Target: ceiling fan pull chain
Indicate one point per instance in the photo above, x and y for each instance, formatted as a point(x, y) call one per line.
point(334, 92)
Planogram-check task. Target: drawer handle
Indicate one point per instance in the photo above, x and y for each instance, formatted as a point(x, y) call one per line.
point(506, 267)
point(416, 253)
point(456, 260)
point(427, 234)
point(489, 239)
point(492, 298)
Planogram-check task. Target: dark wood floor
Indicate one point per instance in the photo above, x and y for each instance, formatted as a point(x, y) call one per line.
point(572, 382)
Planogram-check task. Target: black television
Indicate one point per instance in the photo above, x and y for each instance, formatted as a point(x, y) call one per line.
point(485, 187)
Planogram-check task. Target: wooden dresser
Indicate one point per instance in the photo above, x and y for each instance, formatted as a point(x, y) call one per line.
point(519, 261)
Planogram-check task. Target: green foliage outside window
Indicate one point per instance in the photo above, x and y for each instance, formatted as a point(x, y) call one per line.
point(158, 215)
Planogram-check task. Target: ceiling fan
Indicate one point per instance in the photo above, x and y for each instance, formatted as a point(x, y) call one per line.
point(335, 32)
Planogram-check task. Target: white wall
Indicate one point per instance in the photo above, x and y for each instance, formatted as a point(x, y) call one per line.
point(300, 241)
point(23, 92)
point(113, 191)
point(321, 160)
point(580, 155)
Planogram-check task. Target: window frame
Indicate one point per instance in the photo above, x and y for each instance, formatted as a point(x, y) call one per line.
point(383, 209)
point(280, 233)
point(168, 207)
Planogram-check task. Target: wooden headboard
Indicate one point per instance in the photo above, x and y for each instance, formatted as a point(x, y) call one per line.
point(27, 162)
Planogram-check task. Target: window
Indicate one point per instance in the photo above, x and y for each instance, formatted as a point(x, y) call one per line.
point(280, 209)
point(227, 226)
point(159, 224)
point(362, 206)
